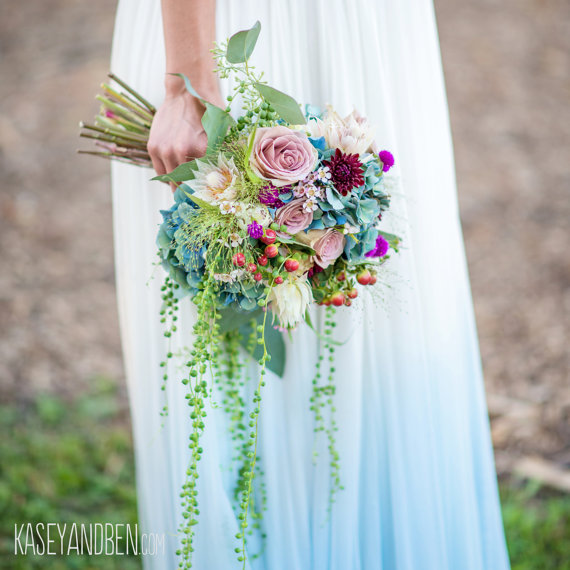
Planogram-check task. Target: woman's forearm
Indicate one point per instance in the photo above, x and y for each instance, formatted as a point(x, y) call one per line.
point(189, 35)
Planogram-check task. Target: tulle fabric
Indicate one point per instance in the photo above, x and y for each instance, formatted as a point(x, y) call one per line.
point(416, 459)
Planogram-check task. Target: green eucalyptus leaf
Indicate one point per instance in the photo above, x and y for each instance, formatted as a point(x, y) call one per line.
point(188, 85)
point(233, 319)
point(216, 123)
point(241, 44)
point(199, 202)
point(293, 241)
point(251, 175)
point(274, 344)
point(181, 173)
point(276, 348)
point(285, 106)
point(392, 239)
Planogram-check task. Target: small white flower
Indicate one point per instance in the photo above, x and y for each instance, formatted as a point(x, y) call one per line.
point(350, 229)
point(227, 207)
point(323, 174)
point(240, 209)
point(235, 239)
point(313, 192)
point(311, 178)
point(310, 205)
point(299, 191)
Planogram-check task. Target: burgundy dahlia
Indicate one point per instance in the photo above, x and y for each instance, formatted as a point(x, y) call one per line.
point(346, 171)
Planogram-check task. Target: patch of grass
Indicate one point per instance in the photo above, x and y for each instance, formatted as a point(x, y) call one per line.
point(537, 525)
point(69, 462)
point(66, 462)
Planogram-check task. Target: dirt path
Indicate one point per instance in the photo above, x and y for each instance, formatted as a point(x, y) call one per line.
point(507, 67)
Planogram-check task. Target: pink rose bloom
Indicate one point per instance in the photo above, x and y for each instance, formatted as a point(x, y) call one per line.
point(328, 245)
point(282, 156)
point(294, 216)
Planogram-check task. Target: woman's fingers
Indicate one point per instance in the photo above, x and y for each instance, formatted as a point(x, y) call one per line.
point(157, 164)
point(177, 135)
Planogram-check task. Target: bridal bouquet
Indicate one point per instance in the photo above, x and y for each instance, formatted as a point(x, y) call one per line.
point(283, 211)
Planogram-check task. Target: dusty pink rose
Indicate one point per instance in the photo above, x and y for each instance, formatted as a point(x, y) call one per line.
point(294, 216)
point(282, 155)
point(328, 245)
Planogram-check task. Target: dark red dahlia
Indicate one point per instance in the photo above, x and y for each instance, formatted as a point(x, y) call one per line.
point(346, 171)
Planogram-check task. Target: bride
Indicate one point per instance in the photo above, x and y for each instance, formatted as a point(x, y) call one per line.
point(420, 489)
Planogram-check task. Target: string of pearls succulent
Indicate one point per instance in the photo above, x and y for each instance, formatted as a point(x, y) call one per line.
point(323, 396)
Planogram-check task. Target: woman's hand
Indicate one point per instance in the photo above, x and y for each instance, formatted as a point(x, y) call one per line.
point(177, 135)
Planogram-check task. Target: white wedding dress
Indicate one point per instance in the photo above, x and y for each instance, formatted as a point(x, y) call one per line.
point(416, 458)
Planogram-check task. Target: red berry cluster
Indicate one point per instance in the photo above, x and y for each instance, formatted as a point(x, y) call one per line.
point(343, 291)
point(270, 264)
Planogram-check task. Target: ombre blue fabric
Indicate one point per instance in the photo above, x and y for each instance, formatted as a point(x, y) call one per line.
point(416, 458)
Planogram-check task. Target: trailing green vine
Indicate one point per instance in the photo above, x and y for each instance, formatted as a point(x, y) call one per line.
point(206, 332)
point(322, 397)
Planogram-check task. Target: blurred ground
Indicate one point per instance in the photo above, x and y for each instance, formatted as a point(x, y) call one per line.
point(507, 67)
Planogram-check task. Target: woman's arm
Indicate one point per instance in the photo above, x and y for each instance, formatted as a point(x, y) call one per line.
point(189, 33)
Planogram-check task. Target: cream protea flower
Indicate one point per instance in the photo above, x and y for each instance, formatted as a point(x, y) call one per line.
point(290, 300)
point(352, 135)
point(215, 184)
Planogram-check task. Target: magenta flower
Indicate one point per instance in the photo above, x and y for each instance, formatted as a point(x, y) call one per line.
point(387, 159)
point(380, 249)
point(269, 195)
point(255, 230)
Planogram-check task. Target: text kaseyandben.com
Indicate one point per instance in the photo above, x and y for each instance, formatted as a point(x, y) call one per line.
point(67, 539)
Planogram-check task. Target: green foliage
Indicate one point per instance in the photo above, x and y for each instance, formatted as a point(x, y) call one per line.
point(181, 173)
point(392, 239)
point(274, 345)
point(323, 397)
point(241, 45)
point(216, 123)
point(66, 461)
point(285, 106)
point(233, 320)
point(537, 525)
